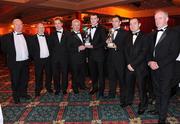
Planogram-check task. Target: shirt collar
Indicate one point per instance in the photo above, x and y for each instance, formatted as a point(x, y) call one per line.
point(163, 28)
point(134, 32)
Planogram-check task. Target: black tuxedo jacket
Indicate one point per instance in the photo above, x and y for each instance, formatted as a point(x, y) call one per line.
point(59, 49)
point(117, 55)
point(35, 48)
point(136, 53)
point(8, 47)
point(166, 51)
point(73, 43)
point(98, 42)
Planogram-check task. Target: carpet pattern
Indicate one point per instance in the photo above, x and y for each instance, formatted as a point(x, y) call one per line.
point(73, 108)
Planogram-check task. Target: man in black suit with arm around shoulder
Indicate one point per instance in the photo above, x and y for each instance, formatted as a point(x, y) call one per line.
point(16, 47)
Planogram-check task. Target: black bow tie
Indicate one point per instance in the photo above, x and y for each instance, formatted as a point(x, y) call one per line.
point(41, 35)
point(59, 31)
point(19, 34)
point(93, 27)
point(136, 33)
point(78, 33)
point(160, 30)
point(116, 29)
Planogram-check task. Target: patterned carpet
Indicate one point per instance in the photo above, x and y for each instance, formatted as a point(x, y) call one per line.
point(72, 108)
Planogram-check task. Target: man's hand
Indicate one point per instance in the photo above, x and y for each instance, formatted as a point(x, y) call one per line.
point(153, 65)
point(130, 68)
point(112, 45)
point(89, 46)
point(81, 47)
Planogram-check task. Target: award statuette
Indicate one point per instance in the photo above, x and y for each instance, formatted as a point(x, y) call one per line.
point(87, 37)
point(109, 40)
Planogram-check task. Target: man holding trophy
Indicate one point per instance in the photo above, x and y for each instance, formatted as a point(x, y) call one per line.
point(96, 55)
point(116, 58)
point(76, 51)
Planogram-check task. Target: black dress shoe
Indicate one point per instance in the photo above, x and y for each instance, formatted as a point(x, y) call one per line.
point(83, 88)
point(37, 94)
point(64, 92)
point(153, 112)
point(49, 90)
point(100, 96)
point(76, 91)
point(161, 121)
point(57, 93)
point(141, 111)
point(17, 101)
point(125, 104)
point(26, 97)
point(110, 96)
point(93, 91)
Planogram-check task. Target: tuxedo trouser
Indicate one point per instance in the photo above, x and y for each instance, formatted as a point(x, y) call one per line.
point(60, 71)
point(40, 65)
point(138, 78)
point(116, 73)
point(97, 74)
point(78, 75)
point(162, 88)
point(19, 79)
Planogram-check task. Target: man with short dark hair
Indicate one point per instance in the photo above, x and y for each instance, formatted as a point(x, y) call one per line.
point(59, 57)
point(116, 58)
point(136, 72)
point(96, 55)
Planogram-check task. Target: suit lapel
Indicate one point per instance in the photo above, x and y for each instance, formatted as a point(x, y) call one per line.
point(12, 43)
point(95, 33)
point(76, 36)
point(138, 37)
point(117, 35)
point(162, 37)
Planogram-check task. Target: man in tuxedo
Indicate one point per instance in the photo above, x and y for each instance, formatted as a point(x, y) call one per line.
point(77, 56)
point(41, 55)
point(136, 71)
point(16, 47)
point(59, 57)
point(116, 59)
point(96, 55)
point(161, 60)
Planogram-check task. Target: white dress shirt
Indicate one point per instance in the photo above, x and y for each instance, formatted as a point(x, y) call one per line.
point(115, 32)
point(178, 58)
point(60, 34)
point(93, 30)
point(21, 49)
point(44, 51)
point(159, 34)
point(135, 35)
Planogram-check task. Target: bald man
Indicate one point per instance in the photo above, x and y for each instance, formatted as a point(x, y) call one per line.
point(161, 60)
point(77, 56)
point(41, 55)
point(16, 47)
